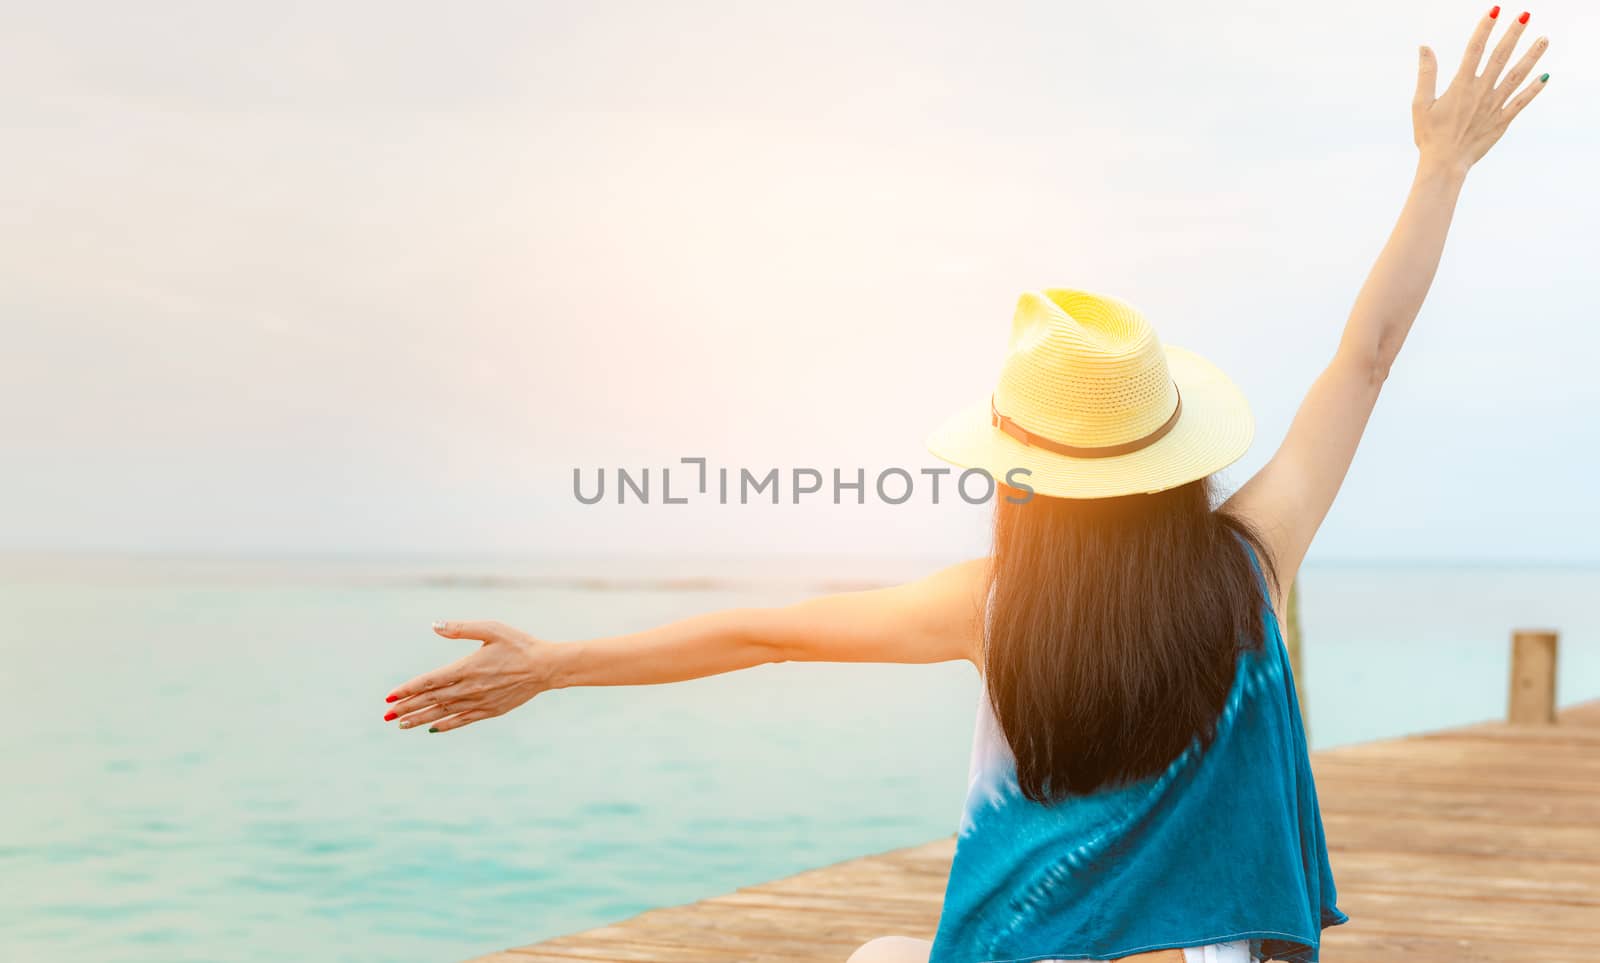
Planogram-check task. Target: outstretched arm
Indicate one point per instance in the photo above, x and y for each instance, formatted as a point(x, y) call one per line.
point(1291, 495)
point(935, 619)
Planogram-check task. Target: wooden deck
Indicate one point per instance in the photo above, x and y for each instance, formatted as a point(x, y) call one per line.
point(1463, 846)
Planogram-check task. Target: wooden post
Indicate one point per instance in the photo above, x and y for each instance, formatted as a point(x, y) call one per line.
point(1533, 677)
point(1293, 642)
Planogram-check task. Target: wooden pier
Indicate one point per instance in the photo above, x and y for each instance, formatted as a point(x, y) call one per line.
point(1468, 845)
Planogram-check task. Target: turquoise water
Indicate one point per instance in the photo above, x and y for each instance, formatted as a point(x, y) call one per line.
point(196, 767)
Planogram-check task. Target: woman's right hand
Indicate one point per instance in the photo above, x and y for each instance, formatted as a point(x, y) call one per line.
point(508, 669)
point(1455, 129)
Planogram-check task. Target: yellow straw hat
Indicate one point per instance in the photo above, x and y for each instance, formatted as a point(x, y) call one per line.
point(1090, 404)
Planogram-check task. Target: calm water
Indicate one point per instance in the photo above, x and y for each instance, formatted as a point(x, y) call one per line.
point(195, 768)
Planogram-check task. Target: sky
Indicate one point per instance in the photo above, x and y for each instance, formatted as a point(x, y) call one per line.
point(374, 278)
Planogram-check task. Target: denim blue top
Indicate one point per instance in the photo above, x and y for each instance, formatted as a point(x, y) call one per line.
point(1224, 845)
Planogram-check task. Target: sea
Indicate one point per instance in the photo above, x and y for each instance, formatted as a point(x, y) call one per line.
point(195, 766)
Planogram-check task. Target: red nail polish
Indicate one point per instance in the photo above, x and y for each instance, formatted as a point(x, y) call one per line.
point(391, 717)
point(1494, 12)
point(1523, 18)
point(392, 698)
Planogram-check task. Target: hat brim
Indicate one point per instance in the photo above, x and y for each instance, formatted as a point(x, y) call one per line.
point(1213, 431)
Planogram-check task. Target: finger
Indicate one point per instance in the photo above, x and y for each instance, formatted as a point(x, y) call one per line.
point(428, 682)
point(1513, 80)
point(429, 714)
point(1524, 99)
point(1472, 59)
point(1503, 49)
point(481, 631)
point(462, 719)
point(1427, 78)
point(444, 694)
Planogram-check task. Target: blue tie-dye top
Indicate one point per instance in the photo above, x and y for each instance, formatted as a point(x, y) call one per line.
point(1225, 845)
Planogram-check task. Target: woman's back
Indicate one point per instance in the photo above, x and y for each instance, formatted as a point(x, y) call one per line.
point(1228, 834)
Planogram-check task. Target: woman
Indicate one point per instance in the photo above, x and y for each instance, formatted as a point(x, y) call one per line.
point(1139, 784)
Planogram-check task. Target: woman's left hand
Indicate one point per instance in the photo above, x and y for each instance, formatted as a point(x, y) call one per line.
point(1455, 129)
point(508, 669)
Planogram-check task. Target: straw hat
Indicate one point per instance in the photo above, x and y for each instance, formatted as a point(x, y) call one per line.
point(1091, 405)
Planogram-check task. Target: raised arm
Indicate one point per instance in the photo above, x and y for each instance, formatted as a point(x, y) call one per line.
point(1289, 497)
point(935, 619)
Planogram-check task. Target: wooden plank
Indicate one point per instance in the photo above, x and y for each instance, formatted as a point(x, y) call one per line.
point(1565, 734)
point(1359, 831)
point(1347, 944)
point(1583, 714)
point(1555, 924)
point(1471, 845)
point(1481, 804)
point(1384, 772)
point(1574, 882)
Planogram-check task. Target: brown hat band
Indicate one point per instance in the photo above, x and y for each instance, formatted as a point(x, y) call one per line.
point(1102, 451)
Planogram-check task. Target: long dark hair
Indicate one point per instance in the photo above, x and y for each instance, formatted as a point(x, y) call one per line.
point(1115, 632)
